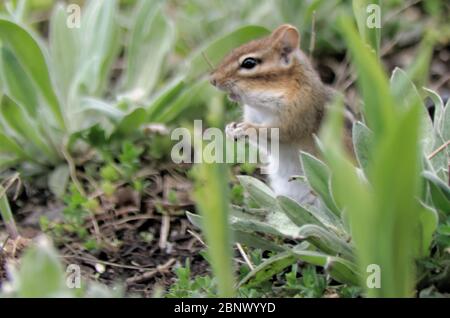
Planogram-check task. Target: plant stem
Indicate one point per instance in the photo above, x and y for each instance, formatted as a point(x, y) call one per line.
point(442, 147)
point(5, 211)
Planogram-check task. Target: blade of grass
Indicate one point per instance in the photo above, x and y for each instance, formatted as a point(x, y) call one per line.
point(212, 199)
point(373, 84)
point(7, 215)
point(384, 218)
point(370, 33)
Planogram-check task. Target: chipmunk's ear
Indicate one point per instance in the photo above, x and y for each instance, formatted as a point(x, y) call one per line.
point(278, 31)
point(288, 37)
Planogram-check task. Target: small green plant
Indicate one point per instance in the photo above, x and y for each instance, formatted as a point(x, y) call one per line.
point(310, 285)
point(78, 208)
point(129, 159)
point(212, 178)
point(6, 214)
point(304, 282)
point(185, 287)
point(350, 292)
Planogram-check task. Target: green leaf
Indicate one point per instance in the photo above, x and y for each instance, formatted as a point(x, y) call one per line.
point(379, 104)
point(257, 241)
point(29, 54)
point(445, 189)
point(213, 178)
point(58, 180)
point(318, 177)
point(403, 89)
point(18, 84)
point(23, 126)
point(439, 162)
point(40, 273)
point(446, 123)
point(152, 37)
point(362, 141)
point(439, 107)
point(7, 162)
point(10, 146)
point(274, 223)
point(102, 107)
point(64, 49)
point(385, 215)
point(90, 112)
point(440, 192)
point(165, 98)
point(341, 270)
point(419, 69)
point(183, 101)
point(429, 220)
point(348, 187)
point(326, 241)
point(371, 35)
point(6, 214)
point(396, 184)
point(243, 235)
point(297, 213)
point(267, 269)
point(259, 192)
point(407, 95)
point(130, 122)
point(100, 43)
point(95, 136)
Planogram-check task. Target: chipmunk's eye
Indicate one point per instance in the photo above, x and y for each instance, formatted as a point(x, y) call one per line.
point(249, 63)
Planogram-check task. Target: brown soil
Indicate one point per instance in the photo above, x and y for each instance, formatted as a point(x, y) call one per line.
point(141, 238)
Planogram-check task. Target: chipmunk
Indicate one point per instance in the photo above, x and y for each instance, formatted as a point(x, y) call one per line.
point(280, 89)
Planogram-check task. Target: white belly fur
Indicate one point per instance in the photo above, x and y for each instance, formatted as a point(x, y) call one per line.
point(283, 167)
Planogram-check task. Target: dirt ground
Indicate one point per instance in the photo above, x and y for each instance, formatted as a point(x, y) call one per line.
point(139, 245)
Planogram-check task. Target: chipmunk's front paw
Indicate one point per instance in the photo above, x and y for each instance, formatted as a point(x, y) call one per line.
point(237, 131)
point(230, 130)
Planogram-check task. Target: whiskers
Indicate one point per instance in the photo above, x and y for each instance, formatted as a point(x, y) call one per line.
point(208, 61)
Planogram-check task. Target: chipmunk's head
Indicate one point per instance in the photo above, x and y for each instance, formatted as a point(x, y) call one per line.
point(263, 70)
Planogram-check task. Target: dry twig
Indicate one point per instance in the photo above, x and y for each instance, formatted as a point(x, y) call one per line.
point(245, 257)
point(438, 150)
point(147, 275)
point(164, 233)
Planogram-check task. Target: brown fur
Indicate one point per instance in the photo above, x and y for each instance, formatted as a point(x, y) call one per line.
point(304, 96)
